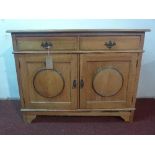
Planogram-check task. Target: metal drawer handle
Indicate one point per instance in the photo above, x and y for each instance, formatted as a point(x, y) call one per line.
point(81, 83)
point(46, 45)
point(74, 84)
point(110, 44)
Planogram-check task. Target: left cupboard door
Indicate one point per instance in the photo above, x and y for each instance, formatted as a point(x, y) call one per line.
point(45, 88)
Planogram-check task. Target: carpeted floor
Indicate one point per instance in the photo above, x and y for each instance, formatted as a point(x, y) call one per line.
point(12, 124)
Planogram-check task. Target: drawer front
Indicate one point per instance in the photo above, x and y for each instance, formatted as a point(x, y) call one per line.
point(34, 43)
point(110, 42)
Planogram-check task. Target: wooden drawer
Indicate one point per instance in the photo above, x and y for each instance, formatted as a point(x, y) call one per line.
point(34, 43)
point(98, 42)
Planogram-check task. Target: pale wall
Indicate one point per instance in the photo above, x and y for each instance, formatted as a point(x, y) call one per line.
point(8, 80)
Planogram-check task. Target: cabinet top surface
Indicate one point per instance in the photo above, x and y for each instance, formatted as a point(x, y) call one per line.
point(80, 31)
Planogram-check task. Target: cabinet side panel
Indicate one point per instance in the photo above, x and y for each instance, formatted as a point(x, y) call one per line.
point(19, 80)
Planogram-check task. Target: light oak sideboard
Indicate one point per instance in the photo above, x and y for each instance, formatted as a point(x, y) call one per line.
point(85, 72)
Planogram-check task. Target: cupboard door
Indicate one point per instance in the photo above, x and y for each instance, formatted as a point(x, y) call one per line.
point(49, 88)
point(107, 80)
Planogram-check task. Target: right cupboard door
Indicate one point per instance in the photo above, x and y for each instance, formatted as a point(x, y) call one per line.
point(107, 80)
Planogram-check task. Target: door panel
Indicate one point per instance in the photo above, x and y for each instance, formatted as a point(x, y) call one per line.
point(49, 88)
point(108, 80)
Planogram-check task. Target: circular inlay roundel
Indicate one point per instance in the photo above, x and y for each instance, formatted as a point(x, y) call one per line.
point(107, 82)
point(48, 83)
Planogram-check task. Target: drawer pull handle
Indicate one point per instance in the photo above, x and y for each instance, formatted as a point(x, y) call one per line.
point(81, 83)
point(109, 44)
point(74, 84)
point(46, 45)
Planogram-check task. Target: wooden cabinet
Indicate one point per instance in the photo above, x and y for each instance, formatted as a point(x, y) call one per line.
point(78, 72)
